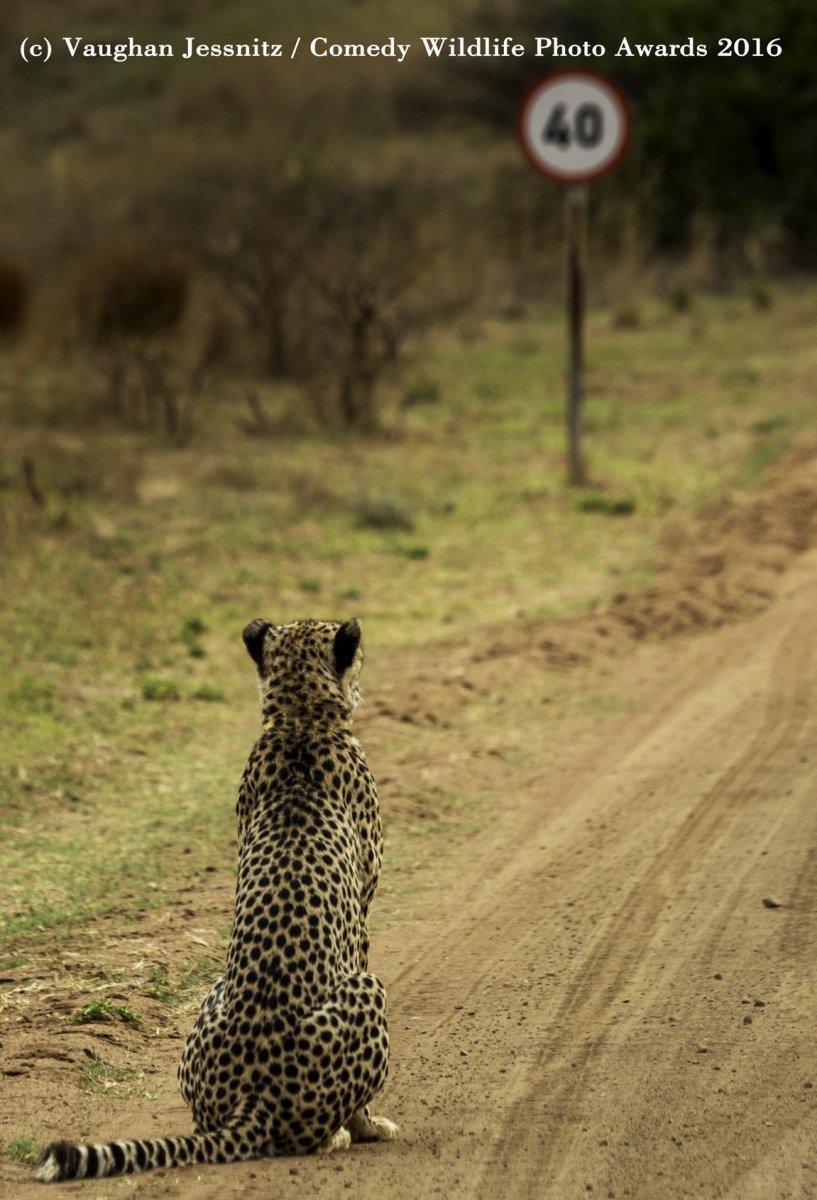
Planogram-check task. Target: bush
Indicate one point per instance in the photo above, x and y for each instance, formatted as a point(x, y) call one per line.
point(130, 303)
point(132, 291)
point(367, 290)
point(332, 275)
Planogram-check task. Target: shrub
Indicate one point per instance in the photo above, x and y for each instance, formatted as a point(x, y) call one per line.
point(128, 290)
point(130, 303)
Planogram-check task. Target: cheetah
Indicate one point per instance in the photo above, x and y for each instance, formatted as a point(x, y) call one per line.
point(291, 1044)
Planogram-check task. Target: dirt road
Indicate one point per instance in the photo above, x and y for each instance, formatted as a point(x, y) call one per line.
point(603, 1004)
point(593, 999)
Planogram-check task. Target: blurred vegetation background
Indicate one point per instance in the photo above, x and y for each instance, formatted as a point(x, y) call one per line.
point(304, 223)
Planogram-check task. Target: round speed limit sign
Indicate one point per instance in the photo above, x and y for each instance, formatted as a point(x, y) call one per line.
point(574, 126)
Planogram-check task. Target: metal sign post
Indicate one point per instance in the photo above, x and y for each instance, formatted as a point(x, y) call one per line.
point(573, 127)
point(575, 229)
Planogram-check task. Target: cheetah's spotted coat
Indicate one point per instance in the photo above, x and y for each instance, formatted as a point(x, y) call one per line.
point(291, 1044)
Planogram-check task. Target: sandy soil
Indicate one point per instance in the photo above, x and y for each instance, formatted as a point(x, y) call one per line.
point(592, 998)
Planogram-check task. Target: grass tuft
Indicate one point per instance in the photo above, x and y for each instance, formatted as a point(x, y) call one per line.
point(193, 980)
point(102, 1079)
point(154, 688)
point(12, 961)
point(383, 513)
point(22, 1150)
point(609, 506)
point(209, 693)
point(104, 1010)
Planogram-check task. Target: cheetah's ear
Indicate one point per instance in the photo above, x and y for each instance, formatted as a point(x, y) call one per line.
point(253, 635)
point(347, 640)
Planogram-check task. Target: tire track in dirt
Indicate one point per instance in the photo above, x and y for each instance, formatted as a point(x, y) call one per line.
point(498, 878)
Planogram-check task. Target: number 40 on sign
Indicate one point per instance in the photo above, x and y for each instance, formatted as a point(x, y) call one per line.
point(574, 126)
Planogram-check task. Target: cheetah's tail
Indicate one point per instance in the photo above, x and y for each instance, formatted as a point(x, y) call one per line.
point(63, 1160)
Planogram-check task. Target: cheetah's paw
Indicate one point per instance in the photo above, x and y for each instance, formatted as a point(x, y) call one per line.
point(341, 1140)
point(364, 1128)
point(386, 1130)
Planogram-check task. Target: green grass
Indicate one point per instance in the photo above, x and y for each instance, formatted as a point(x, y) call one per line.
point(102, 1079)
point(22, 1150)
point(611, 506)
point(192, 982)
point(122, 749)
point(104, 1010)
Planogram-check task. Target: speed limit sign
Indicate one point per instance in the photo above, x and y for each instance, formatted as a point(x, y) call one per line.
point(574, 126)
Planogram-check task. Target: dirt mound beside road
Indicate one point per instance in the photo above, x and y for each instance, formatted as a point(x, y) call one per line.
point(732, 562)
point(727, 565)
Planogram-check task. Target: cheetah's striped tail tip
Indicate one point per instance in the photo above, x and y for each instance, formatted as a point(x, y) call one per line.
point(58, 1161)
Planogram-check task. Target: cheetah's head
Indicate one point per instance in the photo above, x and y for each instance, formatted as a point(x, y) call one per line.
point(307, 666)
